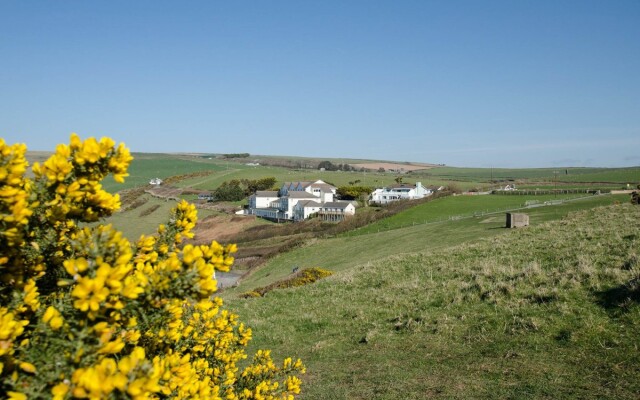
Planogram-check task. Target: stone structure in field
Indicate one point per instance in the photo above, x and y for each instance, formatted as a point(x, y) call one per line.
point(517, 220)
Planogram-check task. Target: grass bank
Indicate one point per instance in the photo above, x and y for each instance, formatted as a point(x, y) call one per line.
point(342, 253)
point(549, 311)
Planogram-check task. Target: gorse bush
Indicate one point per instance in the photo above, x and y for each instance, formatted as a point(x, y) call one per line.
point(84, 313)
point(304, 277)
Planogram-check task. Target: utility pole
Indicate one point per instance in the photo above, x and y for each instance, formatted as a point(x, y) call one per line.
point(555, 185)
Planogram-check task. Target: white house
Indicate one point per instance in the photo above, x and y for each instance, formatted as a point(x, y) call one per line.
point(263, 198)
point(401, 191)
point(303, 209)
point(342, 208)
point(319, 188)
point(331, 211)
point(155, 182)
point(286, 203)
point(298, 200)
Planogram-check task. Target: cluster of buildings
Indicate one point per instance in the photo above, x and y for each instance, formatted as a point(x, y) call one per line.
point(298, 201)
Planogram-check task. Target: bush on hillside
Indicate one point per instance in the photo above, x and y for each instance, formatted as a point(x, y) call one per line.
point(354, 192)
point(301, 278)
point(84, 313)
point(236, 190)
point(229, 191)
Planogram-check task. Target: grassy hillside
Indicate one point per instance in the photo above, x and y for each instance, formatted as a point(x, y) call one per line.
point(344, 252)
point(148, 166)
point(459, 206)
point(549, 311)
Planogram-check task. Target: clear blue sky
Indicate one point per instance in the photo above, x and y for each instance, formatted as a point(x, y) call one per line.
point(466, 83)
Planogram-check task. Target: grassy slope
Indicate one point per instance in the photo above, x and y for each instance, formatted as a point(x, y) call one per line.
point(347, 252)
point(537, 312)
point(148, 166)
point(458, 206)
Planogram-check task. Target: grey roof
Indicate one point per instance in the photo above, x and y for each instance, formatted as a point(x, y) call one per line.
point(266, 193)
point(308, 203)
point(336, 204)
point(402, 186)
point(301, 195)
point(325, 186)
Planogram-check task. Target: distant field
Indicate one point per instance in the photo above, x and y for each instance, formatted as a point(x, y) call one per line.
point(393, 166)
point(621, 175)
point(337, 178)
point(148, 166)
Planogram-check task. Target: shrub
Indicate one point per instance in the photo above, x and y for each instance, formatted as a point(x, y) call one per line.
point(229, 191)
point(353, 192)
point(84, 313)
point(301, 278)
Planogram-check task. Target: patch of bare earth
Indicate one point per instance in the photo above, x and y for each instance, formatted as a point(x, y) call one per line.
point(221, 227)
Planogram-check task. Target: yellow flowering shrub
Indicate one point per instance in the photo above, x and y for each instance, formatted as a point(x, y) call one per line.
point(301, 278)
point(86, 314)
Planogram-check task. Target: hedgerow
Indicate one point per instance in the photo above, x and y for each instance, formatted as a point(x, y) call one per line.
point(84, 313)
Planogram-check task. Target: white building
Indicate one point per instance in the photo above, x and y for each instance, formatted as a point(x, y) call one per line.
point(319, 188)
point(401, 191)
point(304, 209)
point(297, 201)
point(263, 198)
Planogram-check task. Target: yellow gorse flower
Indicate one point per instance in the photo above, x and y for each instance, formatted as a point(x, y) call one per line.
point(116, 319)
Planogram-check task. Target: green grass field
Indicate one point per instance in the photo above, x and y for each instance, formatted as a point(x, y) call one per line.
point(148, 166)
point(346, 251)
point(440, 300)
point(619, 175)
point(457, 207)
point(337, 178)
point(550, 311)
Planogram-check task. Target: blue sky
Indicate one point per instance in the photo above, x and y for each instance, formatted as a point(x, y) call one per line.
point(465, 83)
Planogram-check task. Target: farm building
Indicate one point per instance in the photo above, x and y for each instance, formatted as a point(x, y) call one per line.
point(401, 191)
point(155, 182)
point(297, 201)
